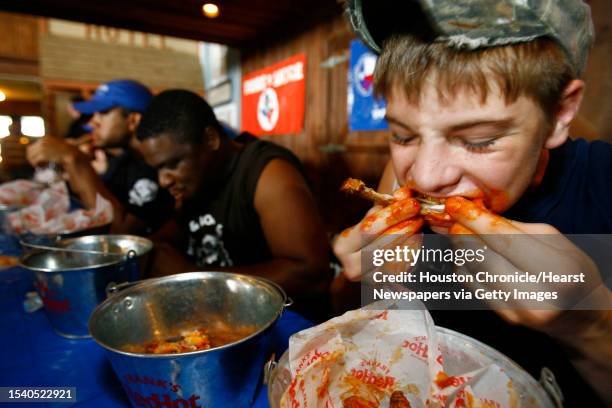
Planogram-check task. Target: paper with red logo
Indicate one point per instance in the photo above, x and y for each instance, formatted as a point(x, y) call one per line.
point(49, 204)
point(273, 98)
point(19, 193)
point(80, 219)
point(48, 214)
point(364, 356)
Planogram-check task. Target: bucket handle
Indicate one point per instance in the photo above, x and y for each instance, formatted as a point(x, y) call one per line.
point(113, 287)
point(130, 265)
point(268, 368)
point(72, 250)
point(287, 301)
point(550, 385)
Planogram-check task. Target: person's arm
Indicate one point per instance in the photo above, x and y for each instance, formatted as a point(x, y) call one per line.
point(293, 230)
point(83, 179)
point(167, 258)
point(540, 247)
point(588, 339)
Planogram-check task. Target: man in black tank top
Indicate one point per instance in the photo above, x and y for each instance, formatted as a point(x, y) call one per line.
point(242, 207)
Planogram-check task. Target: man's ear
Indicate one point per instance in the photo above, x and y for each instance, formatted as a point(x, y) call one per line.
point(212, 139)
point(568, 108)
point(133, 120)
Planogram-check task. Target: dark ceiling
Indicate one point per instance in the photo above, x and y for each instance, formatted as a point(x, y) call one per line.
point(242, 23)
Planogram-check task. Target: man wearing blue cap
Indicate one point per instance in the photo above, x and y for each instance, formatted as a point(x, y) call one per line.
point(140, 206)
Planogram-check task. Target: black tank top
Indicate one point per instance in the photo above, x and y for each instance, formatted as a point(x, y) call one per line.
point(222, 226)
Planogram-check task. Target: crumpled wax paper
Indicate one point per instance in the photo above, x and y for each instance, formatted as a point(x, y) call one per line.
point(362, 358)
point(48, 214)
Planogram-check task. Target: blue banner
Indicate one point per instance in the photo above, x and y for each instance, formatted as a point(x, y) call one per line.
point(364, 110)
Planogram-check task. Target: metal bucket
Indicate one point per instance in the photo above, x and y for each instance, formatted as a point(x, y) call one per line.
point(71, 285)
point(136, 249)
point(461, 354)
point(5, 210)
point(156, 309)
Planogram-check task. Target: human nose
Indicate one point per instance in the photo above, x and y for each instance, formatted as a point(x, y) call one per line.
point(165, 178)
point(95, 120)
point(435, 170)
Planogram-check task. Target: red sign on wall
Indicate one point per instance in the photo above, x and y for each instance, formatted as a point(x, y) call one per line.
point(273, 98)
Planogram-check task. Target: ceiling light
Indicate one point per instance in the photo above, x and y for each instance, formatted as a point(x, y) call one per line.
point(2, 96)
point(210, 10)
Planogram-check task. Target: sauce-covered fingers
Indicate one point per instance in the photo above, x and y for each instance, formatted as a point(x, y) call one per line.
point(406, 227)
point(438, 219)
point(380, 221)
point(351, 240)
point(478, 219)
point(458, 229)
point(351, 264)
point(402, 193)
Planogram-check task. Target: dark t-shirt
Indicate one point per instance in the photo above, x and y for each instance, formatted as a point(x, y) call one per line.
point(221, 223)
point(574, 197)
point(576, 193)
point(134, 184)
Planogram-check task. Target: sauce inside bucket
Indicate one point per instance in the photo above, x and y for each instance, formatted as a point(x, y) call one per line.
point(185, 341)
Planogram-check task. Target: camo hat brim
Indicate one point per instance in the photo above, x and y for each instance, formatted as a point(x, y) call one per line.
point(472, 24)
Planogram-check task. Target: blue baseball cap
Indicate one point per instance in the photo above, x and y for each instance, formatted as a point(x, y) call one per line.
point(124, 93)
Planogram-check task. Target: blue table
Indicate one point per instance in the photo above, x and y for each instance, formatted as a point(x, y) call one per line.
point(31, 354)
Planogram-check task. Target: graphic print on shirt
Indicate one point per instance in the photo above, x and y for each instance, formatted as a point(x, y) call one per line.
point(206, 242)
point(143, 191)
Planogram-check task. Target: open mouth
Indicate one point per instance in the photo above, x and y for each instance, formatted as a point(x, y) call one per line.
point(429, 204)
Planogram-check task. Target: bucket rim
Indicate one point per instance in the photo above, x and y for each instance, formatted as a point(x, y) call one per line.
point(25, 257)
point(148, 247)
point(186, 276)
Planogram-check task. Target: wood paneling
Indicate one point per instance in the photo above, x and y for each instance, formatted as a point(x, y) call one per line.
point(598, 97)
point(241, 23)
point(19, 35)
point(20, 108)
point(19, 44)
point(328, 150)
point(65, 58)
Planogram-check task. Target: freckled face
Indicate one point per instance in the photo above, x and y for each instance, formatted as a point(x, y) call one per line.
point(464, 147)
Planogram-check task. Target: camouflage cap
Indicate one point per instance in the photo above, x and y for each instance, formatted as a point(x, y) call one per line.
point(472, 24)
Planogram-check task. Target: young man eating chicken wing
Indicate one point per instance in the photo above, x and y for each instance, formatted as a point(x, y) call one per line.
point(480, 96)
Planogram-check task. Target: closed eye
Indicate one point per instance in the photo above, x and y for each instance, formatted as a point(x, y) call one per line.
point(478, 146)
point(170, 165)
point(402, 139)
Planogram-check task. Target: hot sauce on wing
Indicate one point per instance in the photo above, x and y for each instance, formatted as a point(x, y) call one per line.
point(431, 209)
point(397, 400)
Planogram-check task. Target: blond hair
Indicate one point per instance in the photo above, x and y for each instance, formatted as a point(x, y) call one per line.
point(537, 69)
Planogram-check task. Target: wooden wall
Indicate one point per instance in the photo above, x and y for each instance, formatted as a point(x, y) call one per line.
point(329, 151)
point(78, 60)
point(596, 107)
point(19, 44)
